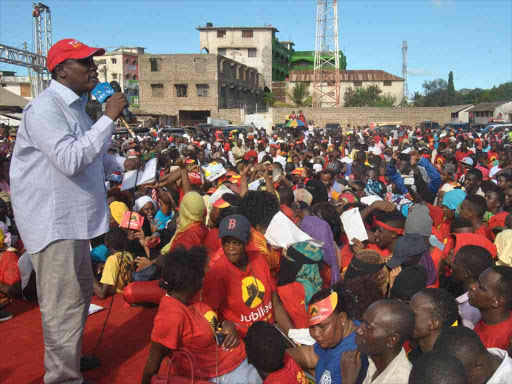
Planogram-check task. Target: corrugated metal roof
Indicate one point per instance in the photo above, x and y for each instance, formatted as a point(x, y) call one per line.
point(458, 108)
point(486, 107)
point(9, 99)
point(347, 75)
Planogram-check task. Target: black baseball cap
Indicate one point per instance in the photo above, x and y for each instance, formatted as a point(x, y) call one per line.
point(407, 246)
point(236, 226)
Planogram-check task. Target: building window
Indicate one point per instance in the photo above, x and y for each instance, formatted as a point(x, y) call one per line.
point(247, 33)
point(251, 52)
point(134, 77)
point(134, 62)
point(99, 62)
point(127, 76)
point(221, 32)
point(387, 83)
point(181, 90)
point(157, 90)
point(222, 51)
point(127, 61)
point(114, 61)
point(155, 64)
point(114, 76)
point(202, 90)
point(358, 83)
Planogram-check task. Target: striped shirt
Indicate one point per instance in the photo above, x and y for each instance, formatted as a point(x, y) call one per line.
point(57, 174)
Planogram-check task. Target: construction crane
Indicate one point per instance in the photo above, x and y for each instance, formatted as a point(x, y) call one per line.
point(35, 61)
point(326, 77)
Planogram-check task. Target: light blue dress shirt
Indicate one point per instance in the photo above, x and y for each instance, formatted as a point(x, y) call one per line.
point(57, 170)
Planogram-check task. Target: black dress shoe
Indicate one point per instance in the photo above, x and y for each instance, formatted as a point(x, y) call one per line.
point(89, 362)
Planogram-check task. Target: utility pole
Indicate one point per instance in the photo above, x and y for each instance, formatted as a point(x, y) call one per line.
point(404, 70)
point(326, 82)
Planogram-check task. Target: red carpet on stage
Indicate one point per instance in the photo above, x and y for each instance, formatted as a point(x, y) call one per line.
point(123, 350)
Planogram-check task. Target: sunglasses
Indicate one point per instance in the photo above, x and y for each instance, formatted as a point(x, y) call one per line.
point(87, 62)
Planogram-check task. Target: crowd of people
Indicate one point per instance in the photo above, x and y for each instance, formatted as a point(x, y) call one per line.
point(239, 241)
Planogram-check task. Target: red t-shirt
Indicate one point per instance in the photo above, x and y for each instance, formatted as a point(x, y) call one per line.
point(459, 155)
point(242, 297)
point(178, 326)
point(193, 236)
point(497, 335)
point(484, 231)
point(212, 241)
point(291, 373)
point(293, 298)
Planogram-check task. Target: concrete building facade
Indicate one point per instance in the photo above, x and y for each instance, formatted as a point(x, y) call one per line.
point(189, 88)
point(460, 113)
point(19, 85)
point(122, 65)
point(255, 47)
point(488, 112)
point(389, 84)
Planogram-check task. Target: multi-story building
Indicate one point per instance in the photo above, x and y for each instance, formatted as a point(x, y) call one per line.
point(189, 88)
point(256, 47)
point(19, 85)
point(122, 65)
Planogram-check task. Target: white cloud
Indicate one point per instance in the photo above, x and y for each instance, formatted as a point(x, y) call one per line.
point(419, 72)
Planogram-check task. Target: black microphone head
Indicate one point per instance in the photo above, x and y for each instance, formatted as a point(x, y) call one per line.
point(116, 86)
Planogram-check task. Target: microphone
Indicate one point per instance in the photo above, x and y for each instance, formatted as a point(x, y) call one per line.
point(127, 115)
point(102, 92)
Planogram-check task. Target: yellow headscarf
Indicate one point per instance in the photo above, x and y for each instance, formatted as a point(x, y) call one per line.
point(503, 243)
point(117, 210)
point(192, 210)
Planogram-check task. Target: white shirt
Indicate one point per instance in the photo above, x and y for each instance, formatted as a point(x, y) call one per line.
point(397, 372)
point(57, 170)
point(503, 374)
point(469, 314)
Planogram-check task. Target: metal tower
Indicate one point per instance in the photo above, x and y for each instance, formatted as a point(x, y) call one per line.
point(326, 82)
point(404, 69)
point(41, 44)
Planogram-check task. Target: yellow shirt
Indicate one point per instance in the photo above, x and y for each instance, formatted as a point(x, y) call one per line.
point(111, 268)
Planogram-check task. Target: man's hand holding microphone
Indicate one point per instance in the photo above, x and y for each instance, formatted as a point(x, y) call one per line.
point(115, 105)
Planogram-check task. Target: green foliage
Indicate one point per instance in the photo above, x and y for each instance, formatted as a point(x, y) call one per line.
point(299, 94)
point(308, 102)
point(440, 93)
point(370, 96)
point(269, 98)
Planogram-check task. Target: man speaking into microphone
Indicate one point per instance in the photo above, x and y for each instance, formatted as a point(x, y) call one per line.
point(59, 199)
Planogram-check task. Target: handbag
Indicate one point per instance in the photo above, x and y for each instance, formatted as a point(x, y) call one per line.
point(151, 272)
point(173, 379)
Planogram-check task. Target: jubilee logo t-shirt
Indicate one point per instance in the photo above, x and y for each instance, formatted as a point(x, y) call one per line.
point(242, 297)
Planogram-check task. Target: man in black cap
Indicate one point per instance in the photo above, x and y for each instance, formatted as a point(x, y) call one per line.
point(409, 282)
point(412, 249)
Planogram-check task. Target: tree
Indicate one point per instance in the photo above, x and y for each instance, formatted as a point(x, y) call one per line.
point(452, 95)
point(269, 98)
point(299, 94)
point(436, 93)
point(367, 97)
point(418, 100)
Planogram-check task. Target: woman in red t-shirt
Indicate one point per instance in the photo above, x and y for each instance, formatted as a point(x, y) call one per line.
point(238, 283)
point(185, 325)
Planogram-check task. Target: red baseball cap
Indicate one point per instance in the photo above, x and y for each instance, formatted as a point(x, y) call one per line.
point(69, 49)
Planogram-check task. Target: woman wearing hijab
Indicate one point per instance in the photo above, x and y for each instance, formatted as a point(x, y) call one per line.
point(191, 232)
point(299, 279)
point(319, 230)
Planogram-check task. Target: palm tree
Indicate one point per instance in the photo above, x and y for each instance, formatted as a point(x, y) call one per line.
point(299, 94)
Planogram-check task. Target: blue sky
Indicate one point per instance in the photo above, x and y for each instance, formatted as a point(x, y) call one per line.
point(472, 38)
